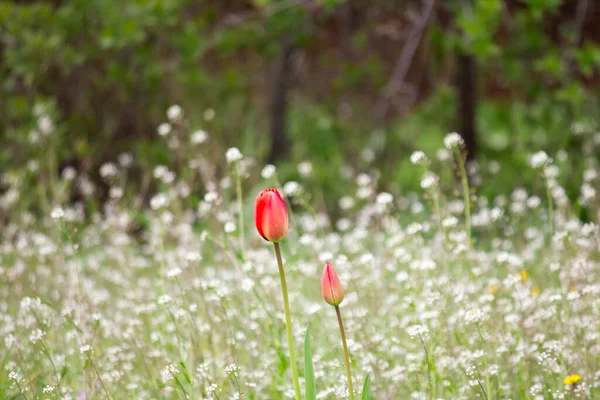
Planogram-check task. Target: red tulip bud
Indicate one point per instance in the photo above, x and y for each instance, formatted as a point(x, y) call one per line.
point(332, 290)
point(270, 215)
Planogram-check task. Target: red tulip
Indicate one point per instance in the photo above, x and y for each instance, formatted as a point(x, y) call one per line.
point(331, 288)
point(270, 215)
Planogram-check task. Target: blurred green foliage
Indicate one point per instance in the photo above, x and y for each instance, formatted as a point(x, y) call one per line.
point(105, 72)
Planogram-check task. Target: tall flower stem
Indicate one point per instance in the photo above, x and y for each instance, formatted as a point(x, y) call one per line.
point(238, 187)
point(466, 193)
point(288, 321)
point(346, 354)
point(550, 206)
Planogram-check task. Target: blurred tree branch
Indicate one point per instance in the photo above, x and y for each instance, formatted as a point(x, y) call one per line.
point(279, 102)
point(397, 80)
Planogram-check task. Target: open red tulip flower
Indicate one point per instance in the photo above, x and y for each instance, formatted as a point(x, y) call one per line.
point(331, 287)
point(270, 215)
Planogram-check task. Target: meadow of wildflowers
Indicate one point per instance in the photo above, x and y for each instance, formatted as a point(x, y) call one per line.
point(446, 294)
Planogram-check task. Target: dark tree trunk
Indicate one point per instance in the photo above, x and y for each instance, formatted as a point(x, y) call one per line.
point(467, 102)
point(279, 103)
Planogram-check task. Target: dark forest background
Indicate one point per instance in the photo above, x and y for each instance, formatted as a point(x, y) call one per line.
point(336, 82)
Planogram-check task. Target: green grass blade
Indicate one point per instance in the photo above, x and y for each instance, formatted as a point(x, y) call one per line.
point(309, 374)
point(366, 392)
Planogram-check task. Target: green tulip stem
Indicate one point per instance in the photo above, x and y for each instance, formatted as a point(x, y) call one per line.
point(346, 354)
point(288, 321)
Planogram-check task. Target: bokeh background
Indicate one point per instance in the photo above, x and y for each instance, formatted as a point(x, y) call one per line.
point(342, 84)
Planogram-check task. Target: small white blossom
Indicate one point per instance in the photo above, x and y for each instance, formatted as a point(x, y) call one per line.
point(291, 188)
point(108, 170)
point(125, 159)
point(363, 180)
point(15, 376)
point(346, 203)
point(233, 154)
point(428, 180)
point(85, 350)
point(69, 173)
point(36, 335)
point(209, 114)
point(164, 129)
point(232, 369)
point(174, 272)
point(199, 136)
point(539, 159)
point(420, 331)
point(168, 372)
point(57, 213)
point(159, 200)
point(305, 169)
point(229, 227)
point(453, 141)
point(174, 113)
point(473, 316)
point(45, 125)
point(418, 158)
point(268, 171)
point(384, 198)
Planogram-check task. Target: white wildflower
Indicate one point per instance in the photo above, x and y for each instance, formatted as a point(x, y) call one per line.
point(493, 369)
point(209, 114)
point(346, 203)
point(174, 113)
point(453, 141)
point(36, 335)
point(164, 129)
point(473, 316)
point(57, 213)
point(232, 369)
point(268, 171)
point(292, 188)
point(420, 331)
point(168, 372)
point(305, 169)
point(233, 154)
point(199, 136)
point(384, 198)
point(418, 158)
point(229, 227)
point(108, 170)
point(125, 159)
point(539, 159)
point(428, 180)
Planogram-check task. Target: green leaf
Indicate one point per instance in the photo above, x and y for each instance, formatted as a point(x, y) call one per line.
point(309, 374)
point(366, 392)
point(185, 372)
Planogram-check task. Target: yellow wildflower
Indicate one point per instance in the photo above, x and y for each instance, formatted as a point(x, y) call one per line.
point(493, 289)
point(572, 380)
point(524, 275)
point(535, 292)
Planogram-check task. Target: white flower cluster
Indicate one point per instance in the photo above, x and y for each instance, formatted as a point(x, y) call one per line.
point(232, 369)
point(418, 158)
point(420, 331)
point(233, 154)
point(168, 372)
point(539, 159)
point(453, 141)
